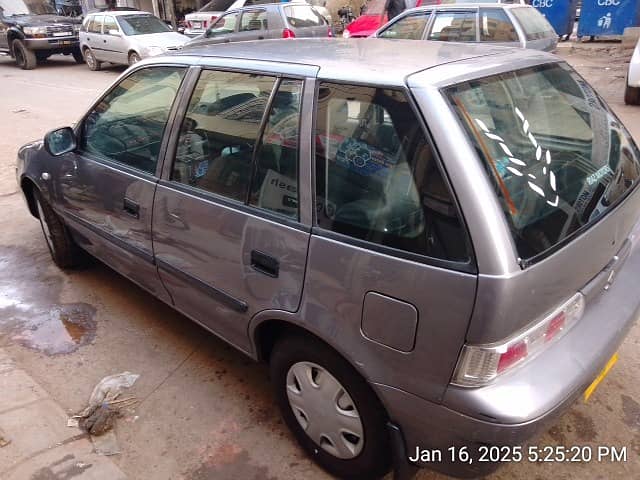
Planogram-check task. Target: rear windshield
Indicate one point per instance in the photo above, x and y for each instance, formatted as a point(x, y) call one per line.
point(300, 16)
point(558, 158)
point(533, 23)
point(217, 6)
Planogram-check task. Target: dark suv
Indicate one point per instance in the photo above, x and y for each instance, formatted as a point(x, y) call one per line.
point(31, 31)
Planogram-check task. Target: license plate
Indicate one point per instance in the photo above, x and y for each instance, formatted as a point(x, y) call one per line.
point(62, 34)
point(612, 361)
point(197, 25)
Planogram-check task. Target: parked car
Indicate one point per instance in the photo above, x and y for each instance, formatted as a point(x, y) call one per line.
point(433, 248)
point(508, 25)
point(375, 16)
point(632, 87)
point(200, 21)
point(31, 31)
point(272, 20)
point(125, 37)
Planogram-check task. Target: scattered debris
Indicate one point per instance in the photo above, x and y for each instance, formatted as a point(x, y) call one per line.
point(104, 407)
point(4, 441)
point(19, 110)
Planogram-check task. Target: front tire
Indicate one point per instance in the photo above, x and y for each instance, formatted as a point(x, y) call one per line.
point(631, 94)
point(25, 59)
point(93, 64)
point(133, 58)
point(64, 251)
point(330, 408)
point(77, 56)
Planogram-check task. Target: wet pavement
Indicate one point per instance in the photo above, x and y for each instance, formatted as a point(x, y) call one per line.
point(205, 410)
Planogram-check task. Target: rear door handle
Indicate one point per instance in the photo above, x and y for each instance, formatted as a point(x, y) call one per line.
point(131, 208)
point(266, 264)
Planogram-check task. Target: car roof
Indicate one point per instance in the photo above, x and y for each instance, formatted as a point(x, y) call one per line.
point(361, 60)
point(119, 13)
point(462, 6)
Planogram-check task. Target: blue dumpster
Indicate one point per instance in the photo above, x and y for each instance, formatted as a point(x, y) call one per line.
point(608, 17)
point(561, 14)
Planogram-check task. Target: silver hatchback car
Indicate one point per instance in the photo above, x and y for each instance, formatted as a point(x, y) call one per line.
point(511, 25)
point(433, 248)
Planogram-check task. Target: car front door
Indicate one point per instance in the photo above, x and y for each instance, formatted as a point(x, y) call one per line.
point(105, 188)
point(454, 26)
point(114, 43)
point(227, 233)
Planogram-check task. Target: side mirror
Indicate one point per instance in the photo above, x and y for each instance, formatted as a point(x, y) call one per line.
point(60, 141)
point(115, 33)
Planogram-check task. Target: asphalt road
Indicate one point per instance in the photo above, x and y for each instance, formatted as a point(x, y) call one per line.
point(206, 412)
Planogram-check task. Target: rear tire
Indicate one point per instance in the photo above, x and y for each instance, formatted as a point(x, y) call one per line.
point(297, 362)
point(631, 94)
point(90, 59)
point(63, 249)
point(25, 58)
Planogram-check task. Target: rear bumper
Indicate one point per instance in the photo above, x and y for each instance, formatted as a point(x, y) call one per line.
point(57, 44)
point(529, 399)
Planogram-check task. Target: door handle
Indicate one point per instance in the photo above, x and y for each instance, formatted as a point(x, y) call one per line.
point(131, 208)
point(260, 38)
point(266, 264)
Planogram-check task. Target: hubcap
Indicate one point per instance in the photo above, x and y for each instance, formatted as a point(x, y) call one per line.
point(324, 410)
point(45, 227)
point(90, 59)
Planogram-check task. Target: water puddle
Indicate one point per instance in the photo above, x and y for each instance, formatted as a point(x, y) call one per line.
point(30, 314)
point(58, 331)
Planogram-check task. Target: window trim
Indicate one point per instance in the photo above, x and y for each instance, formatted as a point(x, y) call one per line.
point(174, 135)
point(468, 266)
point(254, 10)
point(165, 133)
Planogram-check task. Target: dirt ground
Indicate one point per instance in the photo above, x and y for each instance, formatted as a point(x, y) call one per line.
point(206, 411)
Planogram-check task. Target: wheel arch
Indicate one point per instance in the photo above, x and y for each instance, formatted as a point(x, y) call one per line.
point(13, 34)
point(29, 187)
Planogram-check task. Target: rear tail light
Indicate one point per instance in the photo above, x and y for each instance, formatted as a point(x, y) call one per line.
point(329, 32)
point(286, 33)
point(204, 24)
point(213, 19)
point(481, 364)
point(189, 24)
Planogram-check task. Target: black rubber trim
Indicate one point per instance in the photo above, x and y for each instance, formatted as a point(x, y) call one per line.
point(147, 257)
point(464, 267)
point(225, 202)
point(402, 468)
point(219, 295)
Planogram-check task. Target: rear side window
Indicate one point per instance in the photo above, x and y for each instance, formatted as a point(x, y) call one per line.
point(299, 16)
point(533, 23)
point(454, 27)
point(495, 26)
point(220, 131)
point(254, 20)
point(376, 176)
point(410, 27)
point(558, 158)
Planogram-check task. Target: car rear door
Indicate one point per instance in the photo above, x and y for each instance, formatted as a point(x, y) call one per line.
point(497, 28)
point(230, 224)
point(115, 45)
point(95, 40)
point(459, 25)
point(105, 188)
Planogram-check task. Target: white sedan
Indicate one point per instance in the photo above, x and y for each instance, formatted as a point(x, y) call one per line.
point(632, 92)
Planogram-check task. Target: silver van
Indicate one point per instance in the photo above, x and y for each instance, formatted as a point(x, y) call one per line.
point(511, 25)
point(435, 249)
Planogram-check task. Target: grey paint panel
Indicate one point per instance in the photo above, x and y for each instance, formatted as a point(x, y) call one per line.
point(338, 278)
point(212, 243)
point(389, 321)
point(567, 366)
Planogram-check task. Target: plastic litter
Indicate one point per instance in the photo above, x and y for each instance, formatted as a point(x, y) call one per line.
point(108, 390)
